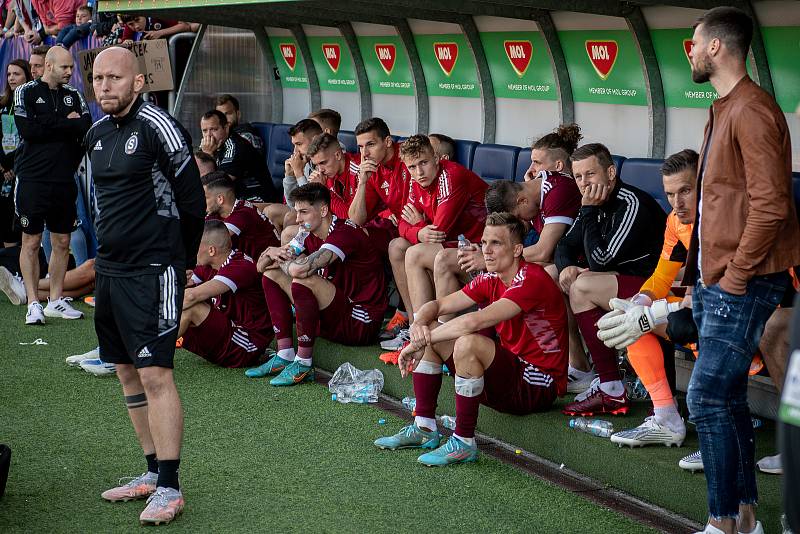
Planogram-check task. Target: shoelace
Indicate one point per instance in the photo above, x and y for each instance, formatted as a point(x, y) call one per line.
point(160, 497)
point(593, 388)
point(130, 480)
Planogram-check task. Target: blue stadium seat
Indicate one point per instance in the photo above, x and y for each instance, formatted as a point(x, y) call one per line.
point(264, 129)
point(399, 138)
point(465, 152)
point(348, 141)
point(495, 162)
point(523, 163)
point(618, 162)
point(280, 148)
point(646, 175)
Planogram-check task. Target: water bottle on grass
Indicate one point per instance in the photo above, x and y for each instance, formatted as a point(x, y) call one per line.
point(597, 427)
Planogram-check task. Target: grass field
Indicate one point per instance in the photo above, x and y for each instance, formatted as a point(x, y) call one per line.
point(261, 459)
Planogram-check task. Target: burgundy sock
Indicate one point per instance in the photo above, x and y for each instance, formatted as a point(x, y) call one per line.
point(306, 309)
point(467, 415)
point(604, 358)
point(426, 389)
point(280, 310)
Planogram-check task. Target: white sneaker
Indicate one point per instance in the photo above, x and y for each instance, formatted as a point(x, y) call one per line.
point(76, 360)
point(578, 381)
point(710, 529)
point(98, 367)
point(771, 465)
point(13, 287)
point(649, 433)
point(398, 341)
point(35, 314)
point(62, 309)
point(591, 390)
point(759, 529)
point(693, 462)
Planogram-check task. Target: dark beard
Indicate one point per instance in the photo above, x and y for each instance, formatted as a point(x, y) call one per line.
point(702, 76)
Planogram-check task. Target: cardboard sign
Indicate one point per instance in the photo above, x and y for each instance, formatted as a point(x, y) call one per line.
point(519, 53)
point(154, 63)
point(333, 55)
point(387, 55)
point(289, 54)
point(603, 55)
point(447, 55)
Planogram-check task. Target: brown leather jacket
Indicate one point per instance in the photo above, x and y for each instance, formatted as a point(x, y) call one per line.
point(748, 224)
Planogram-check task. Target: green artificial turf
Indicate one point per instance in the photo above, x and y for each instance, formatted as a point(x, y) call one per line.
point(256, 458)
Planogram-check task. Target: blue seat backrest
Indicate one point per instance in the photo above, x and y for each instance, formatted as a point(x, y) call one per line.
point(465, 152)
point(399, 138)
point(264, 129)
point(348, 141)
point(646, 175)
point(495, 162)
point(280, 148)
point(619, 161)
point(523, 164)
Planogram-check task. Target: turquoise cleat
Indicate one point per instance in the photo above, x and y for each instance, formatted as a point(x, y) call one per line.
point(454, 451)
point(410, 437)
point(294, 373)
point(273, 366)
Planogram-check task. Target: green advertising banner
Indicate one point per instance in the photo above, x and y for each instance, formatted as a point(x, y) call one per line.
point(604, 66)
point(289, 61)
point(386, 62)
point(672, 52)
point(449, 65)
point(783, 50)
point(520, 65)
point(333, 63)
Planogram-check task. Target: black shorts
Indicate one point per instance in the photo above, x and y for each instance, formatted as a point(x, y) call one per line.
point(40, 203)
point(137, 317)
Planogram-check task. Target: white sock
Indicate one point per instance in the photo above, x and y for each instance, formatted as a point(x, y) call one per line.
point(305, 361)
point(578, 373)
point(615, 388)
point(286, 354)
point(669, 417)
point(469, 387)
point(468, 441)
point(425, 423)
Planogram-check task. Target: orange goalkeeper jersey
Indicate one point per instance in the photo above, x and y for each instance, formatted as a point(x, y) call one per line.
point(673, 256)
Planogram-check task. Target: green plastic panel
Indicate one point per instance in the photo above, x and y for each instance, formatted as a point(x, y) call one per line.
point(386, 62)
point(290, 62)
point(520, 65)
point(333, 63)
point(449, 65)
point(783, 53)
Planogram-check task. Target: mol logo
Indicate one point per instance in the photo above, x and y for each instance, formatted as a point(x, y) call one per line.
point(289, 54)
point(333, 55)
point(519, 53)
point(387, 55)
point(447, 55)
point(603, 55)
point(687, 48)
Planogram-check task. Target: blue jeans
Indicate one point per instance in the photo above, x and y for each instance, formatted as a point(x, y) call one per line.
point(71, 34)
point(730, 328)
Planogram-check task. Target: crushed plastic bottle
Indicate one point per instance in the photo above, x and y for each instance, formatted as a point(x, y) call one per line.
point(447, 421)
point(757, 423)
point(597, 427)
point(635, 389)
point(297, 244)
point(464, 244)
point(350, 384)
point(409, 403)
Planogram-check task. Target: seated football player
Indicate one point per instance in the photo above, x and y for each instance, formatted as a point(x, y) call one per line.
point(251, 232)
point(443, 145)
point(337, 285)
point(225, 318)
point(229, 106)
point(445, 200)
point(328, 119)
point(520, 371)
point(205, 162)
point(335, 169)
point(610, 250)
point(77, 282)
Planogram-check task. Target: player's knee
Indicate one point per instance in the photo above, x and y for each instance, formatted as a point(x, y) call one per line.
point(156, 381)
point(580, 289)
point(397, 250)
point(289, 231)
point(311, 282)
point(290, 218)
point(415, 255)
point(465, 350)
point(127, 375)
point(445, 263)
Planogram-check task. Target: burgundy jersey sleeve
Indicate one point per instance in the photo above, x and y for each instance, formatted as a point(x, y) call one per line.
point(237, 274)
point(345, 239)
point(236, 222)
point(479, 290)
point(202, 273)
point(561, 199)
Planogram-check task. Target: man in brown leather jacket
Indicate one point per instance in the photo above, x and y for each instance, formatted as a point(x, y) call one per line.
point(746, 238)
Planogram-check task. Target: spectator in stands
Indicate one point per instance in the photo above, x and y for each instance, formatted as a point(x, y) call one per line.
point(205, 162)
point(251, 232)
point(609, 251)
point(297, 168)
point(521, 371)
point(36, 60)
point(55, 15)
point(337, 286)
point(28, 23)
point(328, 119)
point(444, 146)
point(335, 169)
point(150, 27)
point(229, 105)
point(69, 35)
point(738, 262)
point(237, 158)
point(104, 24)
point(52, 119)
point(446, 201)
point(225, 318)
point(17, 73)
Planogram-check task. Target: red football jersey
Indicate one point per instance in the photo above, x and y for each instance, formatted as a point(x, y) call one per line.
point(251, 231)
point(387, 188)
point(454, 202)
point(244, 304)
point(343, 187)
point(560, 200)
point(539, 334)
point(359, 272)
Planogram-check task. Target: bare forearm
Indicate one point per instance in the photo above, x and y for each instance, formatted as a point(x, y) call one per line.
point(358, 207)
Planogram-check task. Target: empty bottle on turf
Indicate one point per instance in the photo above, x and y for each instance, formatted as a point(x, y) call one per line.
point(597, 427)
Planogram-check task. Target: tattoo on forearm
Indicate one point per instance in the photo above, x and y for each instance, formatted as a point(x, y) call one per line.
point(315, 261)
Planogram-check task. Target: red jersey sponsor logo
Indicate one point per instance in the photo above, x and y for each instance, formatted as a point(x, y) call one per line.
point(687, 48)
point(447, 55)
point(333, 55)
point(519, 53)
point(602, 55)
point(289, 54)
point(387, 55)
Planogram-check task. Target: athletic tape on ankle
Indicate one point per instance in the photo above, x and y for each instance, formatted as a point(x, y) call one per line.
point(428, 368)
point(136, 401)
point(469, 387)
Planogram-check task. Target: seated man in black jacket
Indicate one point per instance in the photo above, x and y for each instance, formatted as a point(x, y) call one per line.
point(236, 157)
point(611, 249)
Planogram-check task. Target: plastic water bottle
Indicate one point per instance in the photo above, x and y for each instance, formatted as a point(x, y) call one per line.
point(409, 403)
point(447, 421)
point(297, 244)
point(464, 244)
point(5, 189)
point(597, 427)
